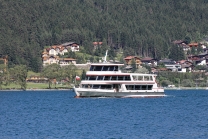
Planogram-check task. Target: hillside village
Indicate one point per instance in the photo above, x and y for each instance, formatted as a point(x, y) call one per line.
point(53, 54)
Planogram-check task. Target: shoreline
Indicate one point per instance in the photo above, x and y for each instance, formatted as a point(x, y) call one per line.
point(187, 88)
point(182, 88)
point(36, 89)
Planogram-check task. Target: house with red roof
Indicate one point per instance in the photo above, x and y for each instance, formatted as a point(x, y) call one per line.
point(193, 44)
point(97, 44)
point(186, 66)
point(198, 59)
point(129, 60)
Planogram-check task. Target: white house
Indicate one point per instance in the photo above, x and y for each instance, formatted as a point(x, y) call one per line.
point(186, 68)
point(201, 61)
point(173, 67)
point(53, 52)
point(47, 60)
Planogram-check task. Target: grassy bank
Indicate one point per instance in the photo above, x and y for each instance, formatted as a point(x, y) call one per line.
point(36, 86)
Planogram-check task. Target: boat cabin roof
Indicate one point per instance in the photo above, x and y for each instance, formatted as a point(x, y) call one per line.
point(107, 64)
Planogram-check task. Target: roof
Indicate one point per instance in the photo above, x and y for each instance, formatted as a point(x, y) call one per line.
point(185, 62)
point(146, 59)
point(185, 66)
point(45, 58)
point(67, 59)
point(130, 57)
point(166, 61)
point(182, 61)
point(163, 69)
point(44, 52)
point(178, 41)
point(68, 43)
point(53, 47)
point(202, 54)
point(193, 44)
point(96, 43)
point(107, 64)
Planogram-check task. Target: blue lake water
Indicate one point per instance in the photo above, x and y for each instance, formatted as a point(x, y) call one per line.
point(57, 114)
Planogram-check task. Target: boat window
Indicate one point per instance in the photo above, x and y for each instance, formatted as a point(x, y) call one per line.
point(151, 79)
point(92, 68)
point(111, 68)
point(120, 78)
point(130, 87)
point(116, 68)
point(105, 68)
point(86, 86)
point(147, 78)
point(92, 77)
point(98, 68)
point(140, 78)
point(137, 87)
point(102, 87)
point(127, 78)
point(107, 77)
point(149, 87)
point(144, 87)
point(114, 78)
point(105, 86)
point(127, 87)
point(96, 86)
point(100, 77)
point(135, 78)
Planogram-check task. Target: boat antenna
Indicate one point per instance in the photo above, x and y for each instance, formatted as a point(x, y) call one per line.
point(105, 58)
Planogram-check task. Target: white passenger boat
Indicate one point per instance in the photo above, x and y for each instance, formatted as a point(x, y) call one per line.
point(106, 80)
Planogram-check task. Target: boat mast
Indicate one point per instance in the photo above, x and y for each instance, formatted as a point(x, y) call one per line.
point(105, 58)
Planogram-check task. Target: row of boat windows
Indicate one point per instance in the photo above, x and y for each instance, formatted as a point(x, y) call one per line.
point(142, 78)
point(120, 78)
point(104, 68)
point(116, 78)
point(139, 87)
point(128, 87)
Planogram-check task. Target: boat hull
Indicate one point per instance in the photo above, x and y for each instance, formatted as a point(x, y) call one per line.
point(100, 93)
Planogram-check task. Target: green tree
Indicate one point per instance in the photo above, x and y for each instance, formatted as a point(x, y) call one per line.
point(133, 65)
point(19, 74)
point(199, 49)
point(187, 83)
point(142, 70)
point(4, 80)
point(176, 53)
point(52, 73)
point(68, 72)
point(96, 20)
point(165, 83)
point(193, 50)
point(187, 39)
point(83, 74)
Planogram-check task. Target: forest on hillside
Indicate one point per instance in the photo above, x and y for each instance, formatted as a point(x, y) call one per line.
point(137, 27)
